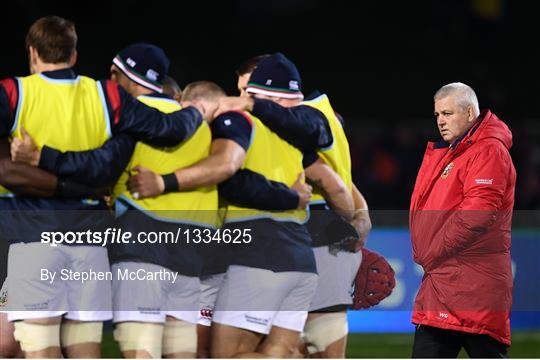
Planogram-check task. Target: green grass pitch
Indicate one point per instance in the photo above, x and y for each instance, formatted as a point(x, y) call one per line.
point(525, 345)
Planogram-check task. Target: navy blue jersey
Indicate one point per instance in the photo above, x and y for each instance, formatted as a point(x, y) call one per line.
point(276, 246)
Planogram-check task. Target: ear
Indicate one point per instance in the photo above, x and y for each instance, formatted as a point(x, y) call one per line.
point(185, 103)
point(73, 59)
point(32, 52)
point(32, 60)
point(470, 114)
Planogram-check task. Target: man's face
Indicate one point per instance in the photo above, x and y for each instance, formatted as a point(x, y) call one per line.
point(242, 84)
point(118, 77)
point(452, 119)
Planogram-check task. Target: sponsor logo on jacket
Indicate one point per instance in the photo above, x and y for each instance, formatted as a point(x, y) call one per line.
point(484, 181)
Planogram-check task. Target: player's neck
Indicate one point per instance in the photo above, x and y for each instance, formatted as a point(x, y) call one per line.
point(42, 67)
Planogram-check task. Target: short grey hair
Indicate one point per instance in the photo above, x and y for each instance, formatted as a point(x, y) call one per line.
point(465, 95)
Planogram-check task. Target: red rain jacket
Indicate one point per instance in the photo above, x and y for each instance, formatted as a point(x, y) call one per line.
point(460, 220)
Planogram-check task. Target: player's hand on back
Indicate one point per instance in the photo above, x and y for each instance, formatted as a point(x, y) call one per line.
point(234, 103)
point(25, 150)
point(303, 190)
point(145, 183)
point(206, 108)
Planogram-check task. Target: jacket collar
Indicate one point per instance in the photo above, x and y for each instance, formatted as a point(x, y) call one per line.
point(61, 74)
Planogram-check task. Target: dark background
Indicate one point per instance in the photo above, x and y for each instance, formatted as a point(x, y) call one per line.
point(379, 61)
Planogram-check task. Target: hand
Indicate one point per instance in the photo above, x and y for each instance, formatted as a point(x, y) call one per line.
point(303, 190)
point(362, 223)
point(206, 107)
point(25, 150)
point(145, 183)
point(234, 103)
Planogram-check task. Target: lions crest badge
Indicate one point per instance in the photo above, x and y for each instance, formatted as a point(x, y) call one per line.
point(447, 170)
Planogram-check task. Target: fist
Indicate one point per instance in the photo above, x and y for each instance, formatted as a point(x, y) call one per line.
point(145, 183)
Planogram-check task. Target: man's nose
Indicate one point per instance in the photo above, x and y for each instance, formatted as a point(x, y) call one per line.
point(440, 120)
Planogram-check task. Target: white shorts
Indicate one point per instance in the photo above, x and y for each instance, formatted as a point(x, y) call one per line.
point(33, 293)
point(257, 299)
point(3, 297)
point(336, 277)
point(152, 300)
point(209, 290)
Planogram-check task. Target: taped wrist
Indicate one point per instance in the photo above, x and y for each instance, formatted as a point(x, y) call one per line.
point(171, 183)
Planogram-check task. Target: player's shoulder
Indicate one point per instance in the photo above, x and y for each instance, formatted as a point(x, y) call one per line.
point(233, 118)
point(8, 83)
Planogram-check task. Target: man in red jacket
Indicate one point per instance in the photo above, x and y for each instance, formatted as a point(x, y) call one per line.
point(460, 220)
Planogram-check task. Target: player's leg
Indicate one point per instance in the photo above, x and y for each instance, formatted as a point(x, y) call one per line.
point(209, 289)
point(229, 341)
point(9, 347)
point(326, 329)
point(37, 331)
point(287, 324)
point(280, 343)
point(139, 333)
point(247, 302)
point(203, 341)
point(182, 308)
point(139, 340)
point(39, 337)
point(179, 339)
point(90, 303)
point(325, 334)
point(81, 339)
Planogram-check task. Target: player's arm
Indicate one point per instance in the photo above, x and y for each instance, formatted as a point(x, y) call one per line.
point(96, 168)
point(260, 193)
point(302, 126)
point(28, 180)
point(226, 157)
point(361, 220)
point(334, 189)
point(144, 123)
point(22, 178)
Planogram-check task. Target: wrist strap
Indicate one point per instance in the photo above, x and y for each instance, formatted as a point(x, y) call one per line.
point(171, 183)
